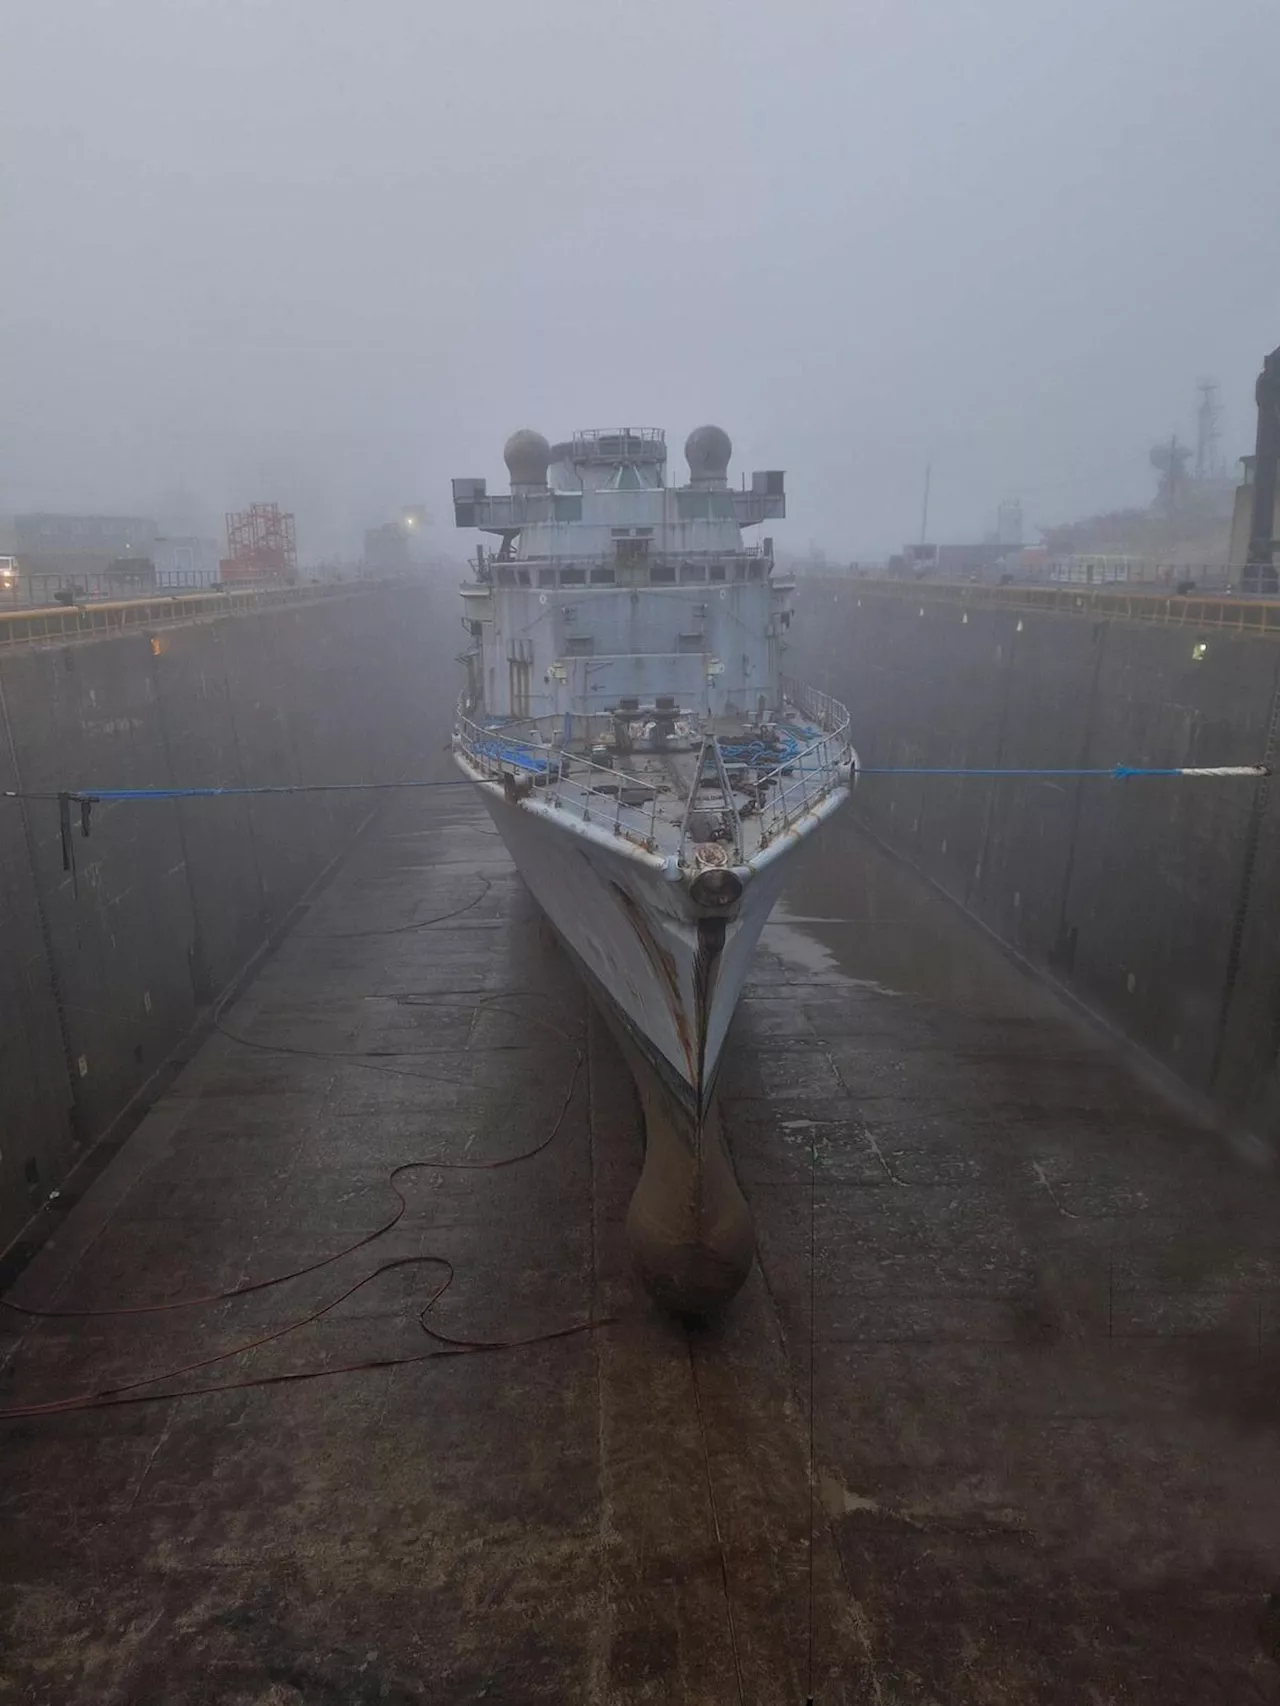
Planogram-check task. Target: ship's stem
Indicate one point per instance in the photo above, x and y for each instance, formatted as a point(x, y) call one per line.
point(689, 1227)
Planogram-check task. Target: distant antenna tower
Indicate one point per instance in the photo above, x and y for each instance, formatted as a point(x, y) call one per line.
point(1208, 415)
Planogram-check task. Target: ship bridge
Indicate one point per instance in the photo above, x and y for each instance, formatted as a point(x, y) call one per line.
point(593, 516)
point(602, 496)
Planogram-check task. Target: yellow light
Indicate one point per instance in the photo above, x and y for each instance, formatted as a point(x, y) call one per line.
point(1198, 651)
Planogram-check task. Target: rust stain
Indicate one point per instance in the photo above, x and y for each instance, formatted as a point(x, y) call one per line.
point(706, 963)
point(664, 968)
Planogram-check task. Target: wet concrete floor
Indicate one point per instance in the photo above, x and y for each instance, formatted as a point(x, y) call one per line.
point(1024, 1312)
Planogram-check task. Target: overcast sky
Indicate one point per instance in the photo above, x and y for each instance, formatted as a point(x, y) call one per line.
point(332, 251)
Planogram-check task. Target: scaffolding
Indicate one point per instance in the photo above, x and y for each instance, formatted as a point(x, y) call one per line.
point(261, 546)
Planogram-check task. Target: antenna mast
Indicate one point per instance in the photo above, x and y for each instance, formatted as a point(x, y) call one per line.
point(924, 509)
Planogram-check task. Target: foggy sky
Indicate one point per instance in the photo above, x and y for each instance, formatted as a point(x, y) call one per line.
point(332, 253)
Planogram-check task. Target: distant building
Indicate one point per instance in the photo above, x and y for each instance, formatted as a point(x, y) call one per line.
point(386, 549)
point(951, 562)
point(1242, 515)
point(80, 544)
point(1009, 523)
point(185, 560)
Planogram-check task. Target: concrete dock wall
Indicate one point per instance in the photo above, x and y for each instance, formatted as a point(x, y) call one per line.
point(1156, 903)
point(105, 968)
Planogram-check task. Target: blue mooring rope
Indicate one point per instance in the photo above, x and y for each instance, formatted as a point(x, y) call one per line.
point(96, 795)
point(1113, 773)
point(85, 799)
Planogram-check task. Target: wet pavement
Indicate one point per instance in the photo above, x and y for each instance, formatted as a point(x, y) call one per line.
point(1023, 1312)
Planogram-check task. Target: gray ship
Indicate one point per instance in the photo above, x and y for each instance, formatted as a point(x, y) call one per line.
point(651, 770)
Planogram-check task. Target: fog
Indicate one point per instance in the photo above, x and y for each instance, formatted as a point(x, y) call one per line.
point(331, 254)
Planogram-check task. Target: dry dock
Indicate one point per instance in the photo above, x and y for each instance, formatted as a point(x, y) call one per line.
point(1022, 1312)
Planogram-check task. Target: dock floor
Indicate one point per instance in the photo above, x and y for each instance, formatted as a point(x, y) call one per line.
point(1023, 1313)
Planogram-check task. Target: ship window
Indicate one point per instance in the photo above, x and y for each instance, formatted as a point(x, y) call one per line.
point(755, 571)
point(546, 577)
point(566, 506)
point(643, 532)
point(631, 550)
point(716, 572)
point(579, 646)
point(662, 574)
point(603, 577)
point(522, 575)
point(692, 574)
point(506, 577)
point(689, 642)
point(620, 532)
point(573, 577)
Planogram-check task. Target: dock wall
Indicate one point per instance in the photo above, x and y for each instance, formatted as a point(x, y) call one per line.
point(105, 968)
point(1156, 903)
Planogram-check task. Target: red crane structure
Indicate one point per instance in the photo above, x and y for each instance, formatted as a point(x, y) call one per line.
point(261, 547)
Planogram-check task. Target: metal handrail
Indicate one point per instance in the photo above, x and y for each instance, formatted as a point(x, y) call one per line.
point(71, 622)
point(819, 763)
point(1244, 615)
point(815, 770)
point(565, 787)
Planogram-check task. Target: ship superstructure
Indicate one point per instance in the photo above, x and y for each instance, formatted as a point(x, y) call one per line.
point(628, 724)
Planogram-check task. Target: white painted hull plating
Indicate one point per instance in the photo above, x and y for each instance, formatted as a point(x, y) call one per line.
point(674, 974)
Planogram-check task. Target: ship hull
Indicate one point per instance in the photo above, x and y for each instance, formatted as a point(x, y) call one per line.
point(672, 971)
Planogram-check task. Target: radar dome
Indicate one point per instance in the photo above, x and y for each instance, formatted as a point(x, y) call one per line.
point(707, 451)
point(527, 456)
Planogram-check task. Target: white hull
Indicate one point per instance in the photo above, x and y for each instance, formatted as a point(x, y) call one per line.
point(674, 973)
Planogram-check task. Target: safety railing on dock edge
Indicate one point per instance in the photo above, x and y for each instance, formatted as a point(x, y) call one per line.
point(92, 621)
point(589, 792)
point(801, 781)
point(1247, 615)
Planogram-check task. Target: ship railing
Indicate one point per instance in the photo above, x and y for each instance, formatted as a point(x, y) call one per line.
point(583, 789)
point(804, 778)
point(647, 440)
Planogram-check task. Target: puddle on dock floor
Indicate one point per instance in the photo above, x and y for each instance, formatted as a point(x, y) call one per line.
point(850, 913)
